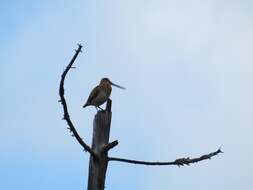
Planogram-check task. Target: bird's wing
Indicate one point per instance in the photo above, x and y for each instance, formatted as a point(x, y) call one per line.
point(93, 95)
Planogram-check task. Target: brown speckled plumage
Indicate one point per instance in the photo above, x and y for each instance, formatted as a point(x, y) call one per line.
point(101, 93)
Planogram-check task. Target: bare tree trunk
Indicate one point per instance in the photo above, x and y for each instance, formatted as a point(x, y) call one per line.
point(101, 134)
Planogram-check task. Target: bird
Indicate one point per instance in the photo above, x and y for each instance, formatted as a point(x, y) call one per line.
point(101, 93)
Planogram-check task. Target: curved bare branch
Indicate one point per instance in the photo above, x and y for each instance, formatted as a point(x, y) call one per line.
point(64, 104)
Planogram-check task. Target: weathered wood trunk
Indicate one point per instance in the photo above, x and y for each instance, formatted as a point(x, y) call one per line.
point(101, 134)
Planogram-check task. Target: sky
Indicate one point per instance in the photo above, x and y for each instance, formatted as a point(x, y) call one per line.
point(187, 67)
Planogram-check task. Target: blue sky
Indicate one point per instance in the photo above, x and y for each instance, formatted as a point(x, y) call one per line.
point(187, 67)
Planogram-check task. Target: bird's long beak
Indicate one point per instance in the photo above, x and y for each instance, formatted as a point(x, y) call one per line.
point(118, 86)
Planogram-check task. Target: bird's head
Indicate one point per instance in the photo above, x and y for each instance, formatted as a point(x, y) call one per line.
point(107, 81)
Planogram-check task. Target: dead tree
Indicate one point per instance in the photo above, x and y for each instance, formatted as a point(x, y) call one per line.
point(100, 143)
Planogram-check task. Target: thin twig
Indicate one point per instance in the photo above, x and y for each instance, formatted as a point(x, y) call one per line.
point(64, 104)
point(177, 162)
point(109, 146)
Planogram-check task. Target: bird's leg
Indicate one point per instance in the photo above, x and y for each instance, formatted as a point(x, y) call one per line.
point(96, 108)
point(101, 108)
